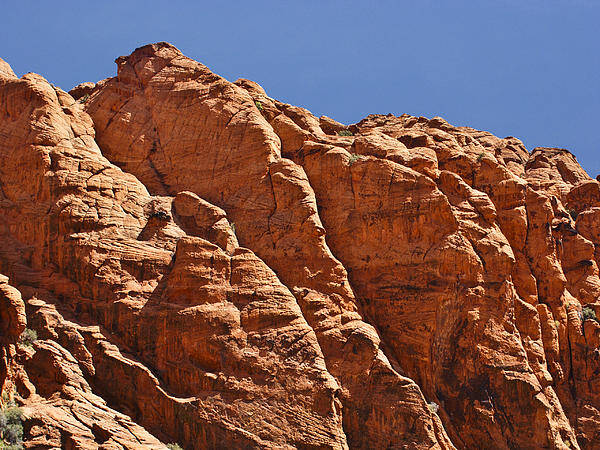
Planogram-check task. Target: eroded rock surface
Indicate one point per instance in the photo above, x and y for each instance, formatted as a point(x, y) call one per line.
point(206, 265)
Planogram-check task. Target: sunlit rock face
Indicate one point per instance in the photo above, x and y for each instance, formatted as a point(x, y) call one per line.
point(205, 265)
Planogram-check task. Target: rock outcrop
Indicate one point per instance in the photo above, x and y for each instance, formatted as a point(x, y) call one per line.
point(206, 265)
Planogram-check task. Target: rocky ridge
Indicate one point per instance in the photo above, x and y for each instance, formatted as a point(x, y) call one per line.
point(206, 265)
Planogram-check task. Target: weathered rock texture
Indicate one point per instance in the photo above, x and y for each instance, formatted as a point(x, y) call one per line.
point(206, 265)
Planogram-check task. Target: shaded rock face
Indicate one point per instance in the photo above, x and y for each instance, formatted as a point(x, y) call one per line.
point(206, 265)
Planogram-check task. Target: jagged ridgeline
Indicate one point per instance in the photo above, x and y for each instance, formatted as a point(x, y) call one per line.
point(190, 262)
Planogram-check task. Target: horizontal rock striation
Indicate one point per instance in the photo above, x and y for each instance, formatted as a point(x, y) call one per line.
point(206, 265)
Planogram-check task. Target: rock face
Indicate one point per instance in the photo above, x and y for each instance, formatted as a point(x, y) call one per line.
point(206, 265)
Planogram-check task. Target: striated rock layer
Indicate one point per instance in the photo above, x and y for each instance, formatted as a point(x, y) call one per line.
point(206, 265)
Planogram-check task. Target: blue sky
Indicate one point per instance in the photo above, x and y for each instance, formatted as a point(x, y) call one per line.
point(527, 68)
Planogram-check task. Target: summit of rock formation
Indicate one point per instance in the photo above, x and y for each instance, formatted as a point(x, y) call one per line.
point(205, 265)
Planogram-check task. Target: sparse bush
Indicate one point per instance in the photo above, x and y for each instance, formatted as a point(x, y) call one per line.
point(232, 226)
point(11, 428)
point(28, 337)
point(6, 398)
point(174, 447)
point(480, 156)
point(345, 133)
point(353, 158)
point(84, 98)
point(4, 446)
point(12, 414)
point(588, 313)
point(13, 433)
point(161, 215)
point(258, 105)
point(433, 407)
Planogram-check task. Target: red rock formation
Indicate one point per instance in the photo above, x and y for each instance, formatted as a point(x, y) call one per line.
point(273, 207)
point(221, 352)
point(252, 276)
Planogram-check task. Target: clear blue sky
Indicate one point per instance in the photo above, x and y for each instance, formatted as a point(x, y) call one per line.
point(525, 68)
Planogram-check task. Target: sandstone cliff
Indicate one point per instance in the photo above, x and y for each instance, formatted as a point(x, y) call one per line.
point(206, 265)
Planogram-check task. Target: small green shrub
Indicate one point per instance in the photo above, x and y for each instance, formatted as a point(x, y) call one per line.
point(232, 226)
point(174, 447)
point(480, 156)
point(5, 446)
point(5, 398)
point(13, 433)
point(11, 428)
point(433, 407)
point(28, 337)
point(258, 105)
point(588, 313)
point(84, 98)
point(354, 157)
point(160, 215)
point(12, 414)
point(345, 133)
